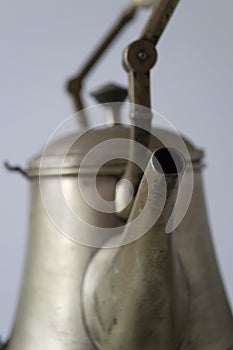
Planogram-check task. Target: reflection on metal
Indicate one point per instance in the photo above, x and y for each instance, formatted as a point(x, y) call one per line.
point(159, 292)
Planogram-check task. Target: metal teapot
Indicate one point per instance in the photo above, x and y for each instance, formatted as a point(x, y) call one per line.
point(136, 285)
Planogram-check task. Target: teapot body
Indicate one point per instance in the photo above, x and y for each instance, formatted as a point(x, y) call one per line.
point(50, 311)
point(196, 293)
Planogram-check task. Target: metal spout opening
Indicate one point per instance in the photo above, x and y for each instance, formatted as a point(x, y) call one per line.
point(168, 161)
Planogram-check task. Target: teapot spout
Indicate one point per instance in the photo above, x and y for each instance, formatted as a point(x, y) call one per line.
point(141, 285)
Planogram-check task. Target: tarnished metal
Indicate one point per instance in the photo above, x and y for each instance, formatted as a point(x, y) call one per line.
point(121, 314)
point(138, 60)
point(49, 313)
point(136, 296)
point(50, 304)
point(161, 14)
point(160, 292)
point(55, 164)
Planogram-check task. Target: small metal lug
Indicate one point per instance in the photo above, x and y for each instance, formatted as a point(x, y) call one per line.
point(18, 169)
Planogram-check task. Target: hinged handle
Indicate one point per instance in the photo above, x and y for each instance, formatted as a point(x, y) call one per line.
point(138, 60)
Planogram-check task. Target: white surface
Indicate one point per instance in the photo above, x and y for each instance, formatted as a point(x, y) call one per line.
point(44, 42)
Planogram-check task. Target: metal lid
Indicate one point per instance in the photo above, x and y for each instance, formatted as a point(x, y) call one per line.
point(64, 156)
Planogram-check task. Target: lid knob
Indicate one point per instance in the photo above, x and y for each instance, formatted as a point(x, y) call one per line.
point(110, 93)
point(112, 96)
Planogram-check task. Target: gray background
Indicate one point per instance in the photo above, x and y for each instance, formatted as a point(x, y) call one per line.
point(44, 42)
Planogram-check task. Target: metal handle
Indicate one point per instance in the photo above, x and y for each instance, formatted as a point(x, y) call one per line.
point(74, 86)
point(139, 58)
point(161, 14)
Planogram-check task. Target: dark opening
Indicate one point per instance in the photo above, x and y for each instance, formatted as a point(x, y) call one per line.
point(168, 161)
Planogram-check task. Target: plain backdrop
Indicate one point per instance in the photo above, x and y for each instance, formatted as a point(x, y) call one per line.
point(44, 42)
